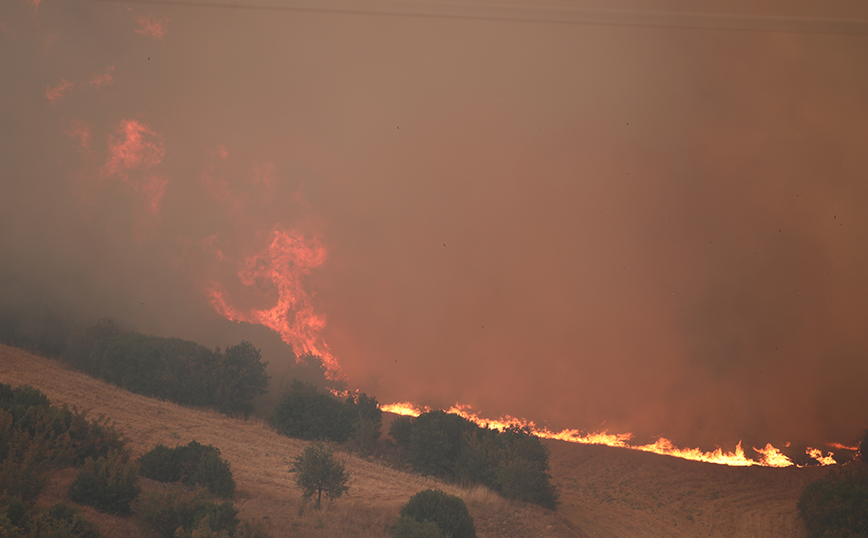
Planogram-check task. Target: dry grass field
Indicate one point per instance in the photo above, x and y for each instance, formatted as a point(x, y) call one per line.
point(605, 492)
point(266, 493)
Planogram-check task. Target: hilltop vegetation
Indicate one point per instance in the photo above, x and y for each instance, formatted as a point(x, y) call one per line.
point(170, 368)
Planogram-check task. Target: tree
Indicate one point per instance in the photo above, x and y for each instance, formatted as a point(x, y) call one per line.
point(240, 377)
point(317, 472)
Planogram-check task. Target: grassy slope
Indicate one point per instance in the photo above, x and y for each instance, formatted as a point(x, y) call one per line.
point(260, 458)
point(606, 492)
point(610, 492)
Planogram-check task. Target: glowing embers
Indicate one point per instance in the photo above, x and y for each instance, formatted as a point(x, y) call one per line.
point(278, 272)
point(768, 456)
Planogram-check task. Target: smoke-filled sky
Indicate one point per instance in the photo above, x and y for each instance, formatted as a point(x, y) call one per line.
point(632, 227)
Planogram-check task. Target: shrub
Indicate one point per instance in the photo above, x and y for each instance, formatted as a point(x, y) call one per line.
point(14, 516)
point(407, 527)
point(36, 437)
point(193, 464)
point(837, 505)
point(448, 512)
point(400, 430)
point(62, 521)
point(317, 472)
point(435, 442)
point(307, 414)
point(109, 484)
point(167, 512)
point(513, 462)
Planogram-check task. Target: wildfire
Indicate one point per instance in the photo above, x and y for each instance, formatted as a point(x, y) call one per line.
point(282, 266)
point(769, 456)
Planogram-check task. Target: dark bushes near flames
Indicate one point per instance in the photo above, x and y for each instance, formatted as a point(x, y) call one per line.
point(512, 462)
point(306, 413)
point(170, 368)
point(837, 505)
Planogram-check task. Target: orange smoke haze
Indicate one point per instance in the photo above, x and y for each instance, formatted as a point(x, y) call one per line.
point(653, 231)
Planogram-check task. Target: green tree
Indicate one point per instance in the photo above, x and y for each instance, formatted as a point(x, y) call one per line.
point(317, 473)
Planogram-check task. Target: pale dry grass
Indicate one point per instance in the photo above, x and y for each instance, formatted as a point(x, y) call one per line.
point(266, 493)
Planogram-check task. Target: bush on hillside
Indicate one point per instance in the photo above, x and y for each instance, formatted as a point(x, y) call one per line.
point(169, 512)
point(307, 414)
point(62, 521)
point(408, 527)
point(108, 483)
point(448, 512)
point(36, 437)
point(193, 464)
point(512, 462)
point(837, 505)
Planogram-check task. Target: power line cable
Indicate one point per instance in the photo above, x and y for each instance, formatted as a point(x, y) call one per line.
point(507, 13)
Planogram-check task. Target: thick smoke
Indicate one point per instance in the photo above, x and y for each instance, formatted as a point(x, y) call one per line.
point(639, 229)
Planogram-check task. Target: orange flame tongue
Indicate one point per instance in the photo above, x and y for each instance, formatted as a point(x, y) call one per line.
point(283, 265)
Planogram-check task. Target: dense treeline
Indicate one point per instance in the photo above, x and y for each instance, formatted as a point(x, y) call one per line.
point(837, 505)
point(512, 462)
point(185, 372)
point(170, 368)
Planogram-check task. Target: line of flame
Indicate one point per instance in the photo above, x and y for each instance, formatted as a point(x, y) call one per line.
point(769, 456)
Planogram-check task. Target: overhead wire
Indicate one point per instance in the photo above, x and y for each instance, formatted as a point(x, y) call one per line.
point(538, 14)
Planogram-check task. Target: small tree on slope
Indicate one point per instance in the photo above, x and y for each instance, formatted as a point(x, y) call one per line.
point(317, 472)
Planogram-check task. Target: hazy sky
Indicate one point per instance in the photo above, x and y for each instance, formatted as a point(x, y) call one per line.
point(632, 228)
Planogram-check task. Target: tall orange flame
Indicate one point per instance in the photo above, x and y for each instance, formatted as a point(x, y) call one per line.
point(283, 265)
point(769, 456)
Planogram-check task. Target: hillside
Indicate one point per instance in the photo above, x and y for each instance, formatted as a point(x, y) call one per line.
point(605, 492)
point(610, 492)
point(260, 458)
